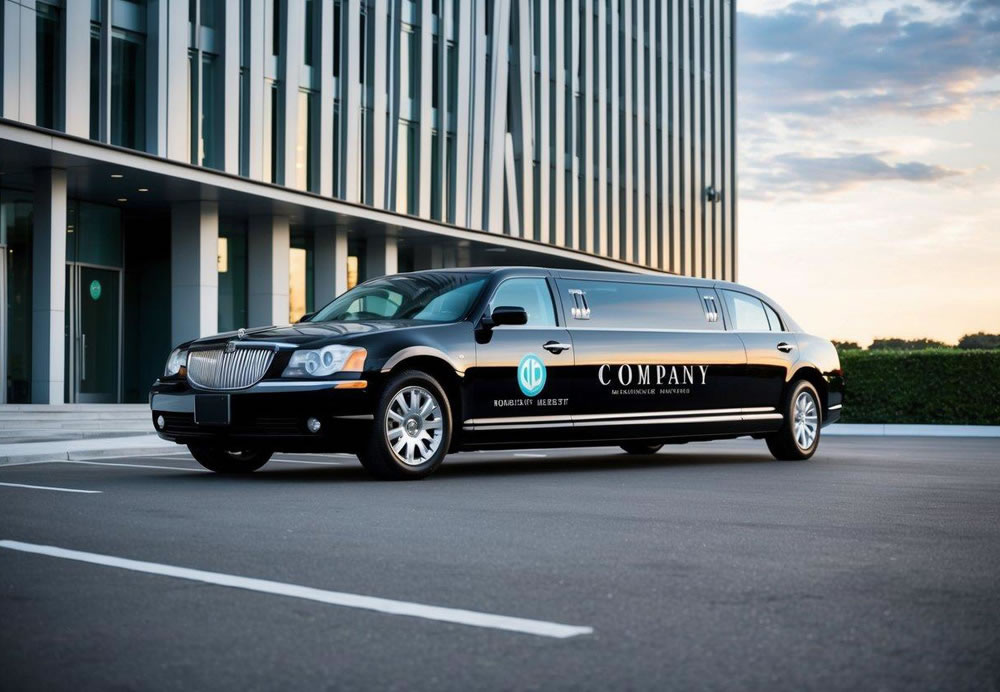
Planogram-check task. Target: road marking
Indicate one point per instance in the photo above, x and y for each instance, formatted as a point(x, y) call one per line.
point(472, 618)
point(46, 487)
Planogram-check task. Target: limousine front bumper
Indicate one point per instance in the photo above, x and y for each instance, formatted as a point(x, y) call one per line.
point(273, 413)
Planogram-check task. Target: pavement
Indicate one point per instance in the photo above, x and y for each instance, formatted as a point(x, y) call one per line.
point(708, 566)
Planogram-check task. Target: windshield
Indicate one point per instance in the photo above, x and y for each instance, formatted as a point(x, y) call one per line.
point(444, 297)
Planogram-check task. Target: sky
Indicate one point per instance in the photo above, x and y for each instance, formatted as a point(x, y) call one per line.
point(869, 164)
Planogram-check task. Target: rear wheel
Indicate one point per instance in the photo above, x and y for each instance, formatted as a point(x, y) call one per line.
point(412, 429)
point(229, 461)
point(798, 437)
point(641, 448)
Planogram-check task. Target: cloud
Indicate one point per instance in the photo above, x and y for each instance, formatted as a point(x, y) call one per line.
point(812, 59)
point(797, 175)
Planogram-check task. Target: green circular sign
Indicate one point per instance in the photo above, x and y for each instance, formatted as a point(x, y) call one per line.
point(95, 289)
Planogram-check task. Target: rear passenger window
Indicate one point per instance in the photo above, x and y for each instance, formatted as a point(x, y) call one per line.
point(531, 294)
point(747, 312)
point(773, 318)
point(615, 305)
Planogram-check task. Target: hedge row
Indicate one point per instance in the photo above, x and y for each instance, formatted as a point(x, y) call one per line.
point(946, 386)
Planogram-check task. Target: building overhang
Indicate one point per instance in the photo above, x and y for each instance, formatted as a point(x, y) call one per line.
point(92, 165)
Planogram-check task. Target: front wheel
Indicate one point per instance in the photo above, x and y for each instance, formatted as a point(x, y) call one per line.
point(411, 431)
point(798, 437)
point(640, 448)
point(229, 461)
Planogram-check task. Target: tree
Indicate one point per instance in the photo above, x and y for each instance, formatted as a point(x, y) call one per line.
point(905, 344)
point(846, 345)
point(980, 340)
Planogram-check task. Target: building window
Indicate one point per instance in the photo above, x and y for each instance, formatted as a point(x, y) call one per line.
point(210, 113)
point(306, 173)
point(232, 266)
point(300, 275)
point(273, 141)
point(312, 24)
point(407, 177)
point(95, 81)
point(48, 66)
point(128, 90)
point(276, 27)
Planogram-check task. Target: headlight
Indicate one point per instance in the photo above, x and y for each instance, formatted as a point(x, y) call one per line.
point(176, 362)
point(325, 361)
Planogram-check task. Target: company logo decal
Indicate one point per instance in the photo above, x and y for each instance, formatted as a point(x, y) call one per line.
point(652, 379)
point(531, 375)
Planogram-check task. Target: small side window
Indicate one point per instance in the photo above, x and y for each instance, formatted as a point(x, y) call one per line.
point(531, 294)
point(773, 319)
point(747, 312)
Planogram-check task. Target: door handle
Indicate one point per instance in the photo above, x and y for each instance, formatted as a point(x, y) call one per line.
point(556, 347)
point(785, 347)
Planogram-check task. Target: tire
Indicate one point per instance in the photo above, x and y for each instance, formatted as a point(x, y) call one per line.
point(411, 431)
point(230, 461)
point(798, 437)
point(641, 448)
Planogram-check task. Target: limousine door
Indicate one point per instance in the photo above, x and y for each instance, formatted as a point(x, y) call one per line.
point(771, 351)
point(652, 360)
point(520, 388)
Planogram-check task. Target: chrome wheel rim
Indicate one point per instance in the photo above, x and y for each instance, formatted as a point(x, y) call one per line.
point(805, 421)
point(413, 425)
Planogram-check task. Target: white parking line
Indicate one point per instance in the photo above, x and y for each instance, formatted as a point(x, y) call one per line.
point(472, 618)
point(46, 487)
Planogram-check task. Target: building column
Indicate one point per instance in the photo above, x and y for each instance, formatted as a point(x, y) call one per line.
point(330, 268)
point(381, 256)
point(76, 68)
point(194, 270)
point(48, 288)
point(268, 241)
point(463, 256)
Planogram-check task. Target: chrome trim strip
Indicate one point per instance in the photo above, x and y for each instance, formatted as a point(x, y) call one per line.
point(836, 407)
point(650, 421)
point(296, 384)
point(696, 419)
point(618, 416)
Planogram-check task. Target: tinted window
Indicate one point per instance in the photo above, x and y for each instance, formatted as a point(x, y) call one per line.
point(746, 312)
point(615, 305)
point(444, 297)
point(531, 294)
point(773, 318)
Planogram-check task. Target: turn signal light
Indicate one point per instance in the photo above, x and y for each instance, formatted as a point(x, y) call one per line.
point(353, 384)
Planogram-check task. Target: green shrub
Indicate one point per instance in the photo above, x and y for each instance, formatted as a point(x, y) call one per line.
point(945, 386)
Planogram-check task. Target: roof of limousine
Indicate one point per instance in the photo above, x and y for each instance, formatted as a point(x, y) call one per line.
point(597, 275)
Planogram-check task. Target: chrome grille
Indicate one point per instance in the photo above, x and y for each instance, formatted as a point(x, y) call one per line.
point(237, 369)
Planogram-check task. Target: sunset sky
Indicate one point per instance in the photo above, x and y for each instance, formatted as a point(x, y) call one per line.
point(869, 144)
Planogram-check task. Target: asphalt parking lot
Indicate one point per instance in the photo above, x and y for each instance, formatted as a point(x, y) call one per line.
point(709, 566)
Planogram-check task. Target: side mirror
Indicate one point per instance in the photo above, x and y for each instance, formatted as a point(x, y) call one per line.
point(508, 314)
point(305, 317)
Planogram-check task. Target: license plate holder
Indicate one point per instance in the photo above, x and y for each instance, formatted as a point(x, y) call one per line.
point(211, 409)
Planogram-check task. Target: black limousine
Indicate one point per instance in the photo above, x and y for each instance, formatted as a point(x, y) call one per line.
point(403, 369)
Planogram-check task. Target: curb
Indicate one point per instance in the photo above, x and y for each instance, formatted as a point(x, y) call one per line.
point(83, 449)
point(906, 430)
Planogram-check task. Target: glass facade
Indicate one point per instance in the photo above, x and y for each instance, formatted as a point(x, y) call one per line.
point(15, 241)
point(300, 275)
point(48, 63)
point(232, 266)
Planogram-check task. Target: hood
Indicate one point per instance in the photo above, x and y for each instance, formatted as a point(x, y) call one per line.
point(306, 334)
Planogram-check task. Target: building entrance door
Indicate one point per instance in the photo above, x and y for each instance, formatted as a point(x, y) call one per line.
point(93, 333)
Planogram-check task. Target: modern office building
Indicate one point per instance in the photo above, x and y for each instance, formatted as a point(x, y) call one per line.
point(173, 168)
